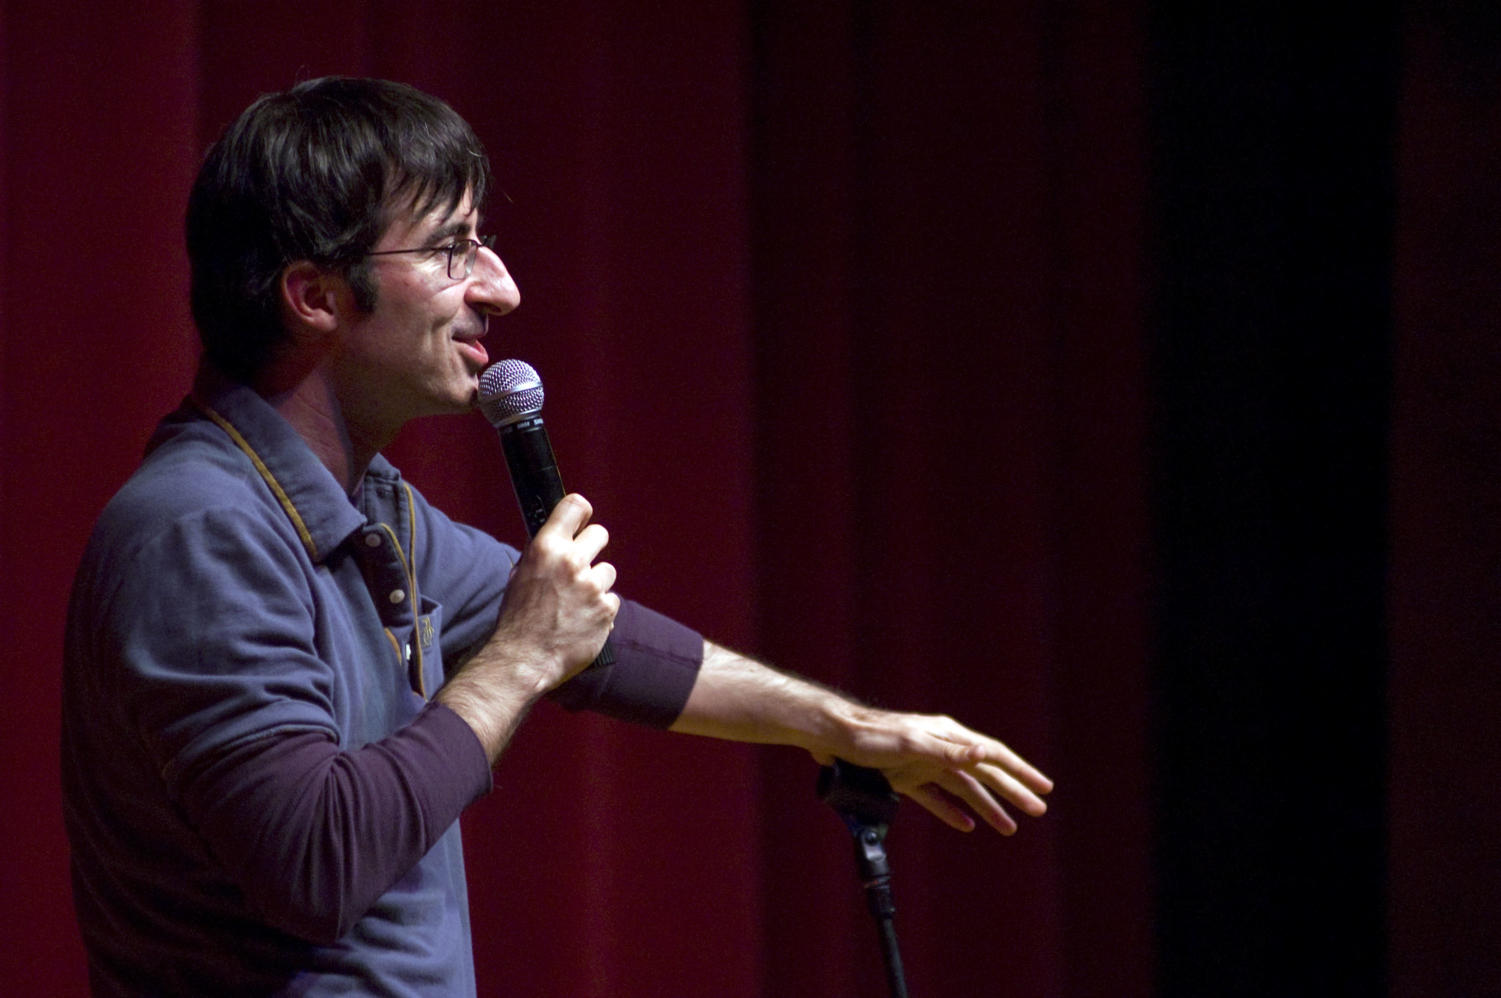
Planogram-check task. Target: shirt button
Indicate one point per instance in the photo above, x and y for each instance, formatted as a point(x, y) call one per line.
point(372, 539)
point(397, 596)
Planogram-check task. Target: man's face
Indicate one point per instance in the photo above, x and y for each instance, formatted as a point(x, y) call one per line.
point(418, 351)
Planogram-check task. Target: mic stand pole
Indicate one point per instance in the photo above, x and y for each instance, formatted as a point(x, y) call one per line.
point(865, 801)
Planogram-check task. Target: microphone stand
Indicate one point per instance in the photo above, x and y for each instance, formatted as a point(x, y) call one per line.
point(866, 802)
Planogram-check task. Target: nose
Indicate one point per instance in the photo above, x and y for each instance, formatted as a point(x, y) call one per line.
point(491, 289)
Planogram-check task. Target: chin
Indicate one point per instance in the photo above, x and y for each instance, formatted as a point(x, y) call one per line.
point(451, 403)
point(462, 394)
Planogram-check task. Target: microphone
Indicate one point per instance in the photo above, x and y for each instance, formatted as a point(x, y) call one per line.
point(510, 396)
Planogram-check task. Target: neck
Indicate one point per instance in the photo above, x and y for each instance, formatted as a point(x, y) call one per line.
point(311, 405)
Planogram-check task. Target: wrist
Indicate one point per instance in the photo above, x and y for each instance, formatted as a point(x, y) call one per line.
point(835, 726)
point(492, 695)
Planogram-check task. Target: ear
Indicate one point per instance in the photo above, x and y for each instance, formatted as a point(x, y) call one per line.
point(313, 300)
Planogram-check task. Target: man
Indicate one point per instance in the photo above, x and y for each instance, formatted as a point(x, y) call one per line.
point(286, 673)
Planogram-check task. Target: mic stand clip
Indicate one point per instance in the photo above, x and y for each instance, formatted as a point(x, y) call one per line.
point(865, 801)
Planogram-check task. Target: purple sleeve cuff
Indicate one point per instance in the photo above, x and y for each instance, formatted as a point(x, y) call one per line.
point(656, 662)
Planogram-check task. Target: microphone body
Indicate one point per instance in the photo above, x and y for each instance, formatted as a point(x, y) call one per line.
point(534, 470)
point(511, 399)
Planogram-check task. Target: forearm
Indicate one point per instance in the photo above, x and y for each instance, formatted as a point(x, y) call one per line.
point(493, 695)
point(739, 699)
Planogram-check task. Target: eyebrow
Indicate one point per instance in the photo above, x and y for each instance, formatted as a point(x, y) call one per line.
point(451, 230)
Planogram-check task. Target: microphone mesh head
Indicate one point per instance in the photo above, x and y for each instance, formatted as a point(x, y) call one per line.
point(509, 390)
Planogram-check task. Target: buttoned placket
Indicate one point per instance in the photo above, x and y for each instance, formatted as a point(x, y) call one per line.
point(393, 590)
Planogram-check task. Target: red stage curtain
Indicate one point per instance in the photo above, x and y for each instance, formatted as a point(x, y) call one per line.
point(1445, 605)
point(839, 310)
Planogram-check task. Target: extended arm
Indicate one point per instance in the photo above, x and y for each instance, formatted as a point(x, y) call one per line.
point(934, 759)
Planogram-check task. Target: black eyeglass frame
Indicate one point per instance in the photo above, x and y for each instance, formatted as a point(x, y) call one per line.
point(471, 248)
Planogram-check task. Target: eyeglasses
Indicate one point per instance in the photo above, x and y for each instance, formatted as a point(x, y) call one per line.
point(461, 254)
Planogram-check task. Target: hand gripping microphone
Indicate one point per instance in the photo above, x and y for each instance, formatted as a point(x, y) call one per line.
point(510, 396)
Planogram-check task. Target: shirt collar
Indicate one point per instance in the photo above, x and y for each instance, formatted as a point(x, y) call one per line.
point(309, 494)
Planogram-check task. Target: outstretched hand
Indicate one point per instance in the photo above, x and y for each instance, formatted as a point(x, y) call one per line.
point(943, 766)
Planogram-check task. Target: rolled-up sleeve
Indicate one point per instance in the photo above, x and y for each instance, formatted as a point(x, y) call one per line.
point(656, 663)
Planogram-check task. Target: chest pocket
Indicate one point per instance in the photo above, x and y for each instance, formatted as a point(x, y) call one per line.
point(415, 645)
point(425, 651)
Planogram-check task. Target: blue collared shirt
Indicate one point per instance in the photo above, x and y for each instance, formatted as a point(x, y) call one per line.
point(234, 598)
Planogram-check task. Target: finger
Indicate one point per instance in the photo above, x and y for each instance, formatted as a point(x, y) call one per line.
point(988, 750)
point(945, 794)
point(973, 793)
point(914, 741)
point(603, 575)
point(935, 801)
point(1012, 789)
point(591, 541)
point(567, 517)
